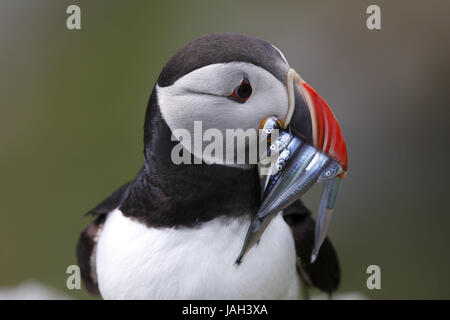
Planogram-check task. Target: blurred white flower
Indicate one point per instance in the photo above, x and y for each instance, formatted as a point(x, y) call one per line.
point(31, 290)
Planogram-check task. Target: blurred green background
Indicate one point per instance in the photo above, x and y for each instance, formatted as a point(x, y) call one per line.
point(73, 104)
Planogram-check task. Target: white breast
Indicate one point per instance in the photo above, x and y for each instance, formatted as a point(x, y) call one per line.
point(137, 262)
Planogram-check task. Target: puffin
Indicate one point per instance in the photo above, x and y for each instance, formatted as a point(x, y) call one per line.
point(175, 230)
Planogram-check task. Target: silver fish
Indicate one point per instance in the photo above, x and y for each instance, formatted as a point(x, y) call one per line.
point(296, 166)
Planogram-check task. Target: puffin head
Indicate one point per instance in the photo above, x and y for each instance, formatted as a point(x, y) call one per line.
point(229, 81)
point(232, 81)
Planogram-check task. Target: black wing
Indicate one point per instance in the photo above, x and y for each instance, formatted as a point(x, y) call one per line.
point(88, 238)
point(324, 273)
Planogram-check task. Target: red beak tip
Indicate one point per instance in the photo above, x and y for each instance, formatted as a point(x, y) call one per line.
point(327, 134)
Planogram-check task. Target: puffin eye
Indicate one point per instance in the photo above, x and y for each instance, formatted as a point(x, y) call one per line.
point(242, 92)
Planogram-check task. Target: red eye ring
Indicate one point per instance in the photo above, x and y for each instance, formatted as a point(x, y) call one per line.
point(242, 92)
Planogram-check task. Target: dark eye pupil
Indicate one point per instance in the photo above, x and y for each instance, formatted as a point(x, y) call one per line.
point(244, 90)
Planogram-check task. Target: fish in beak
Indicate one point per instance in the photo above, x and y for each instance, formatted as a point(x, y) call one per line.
point(304, 148)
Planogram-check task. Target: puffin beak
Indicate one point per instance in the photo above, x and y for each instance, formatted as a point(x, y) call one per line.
point(309, 148)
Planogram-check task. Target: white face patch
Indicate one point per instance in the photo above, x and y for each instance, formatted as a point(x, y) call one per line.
point(202, 95)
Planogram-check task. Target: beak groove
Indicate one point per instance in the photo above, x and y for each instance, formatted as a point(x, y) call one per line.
point(326, 134)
